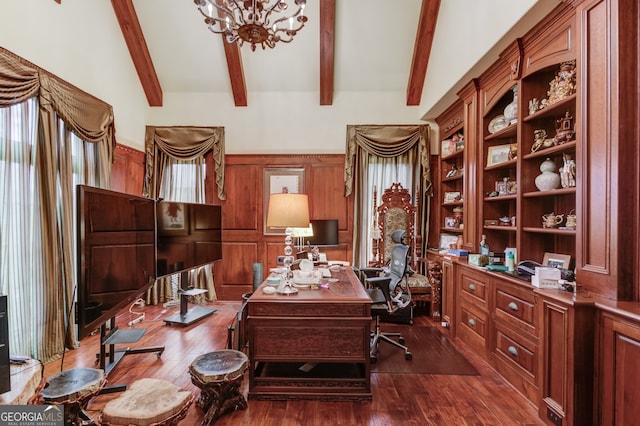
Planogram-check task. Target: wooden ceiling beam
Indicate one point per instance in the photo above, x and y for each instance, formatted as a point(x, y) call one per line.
point(236, 70)
point(132, 32)
point(327, 50)
point(422, 50)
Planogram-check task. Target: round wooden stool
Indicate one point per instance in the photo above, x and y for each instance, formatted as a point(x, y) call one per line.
point(74, 388)
point(148, 402)
point(219, 375)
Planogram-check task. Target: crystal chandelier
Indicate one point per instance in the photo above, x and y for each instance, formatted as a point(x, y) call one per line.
point(260, 22)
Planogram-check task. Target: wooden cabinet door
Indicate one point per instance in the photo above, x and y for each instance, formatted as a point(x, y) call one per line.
point(567, 361)
point(620, 369)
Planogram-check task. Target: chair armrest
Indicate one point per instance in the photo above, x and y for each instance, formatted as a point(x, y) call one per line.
point(371, 272)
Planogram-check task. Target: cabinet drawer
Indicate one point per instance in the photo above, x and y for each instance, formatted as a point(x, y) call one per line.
point(515, 307)
point(474, 284)
point(474, 322)
point(517, 351)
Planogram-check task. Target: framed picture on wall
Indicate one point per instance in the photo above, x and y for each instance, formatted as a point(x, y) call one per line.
point(276, 181)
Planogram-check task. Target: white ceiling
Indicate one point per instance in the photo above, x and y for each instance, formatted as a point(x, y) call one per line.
point(373, 49)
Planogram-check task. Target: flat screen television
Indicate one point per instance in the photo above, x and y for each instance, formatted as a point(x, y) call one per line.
point(325, 232)
point(125, 242)
point(189, 235)
point(116, 243)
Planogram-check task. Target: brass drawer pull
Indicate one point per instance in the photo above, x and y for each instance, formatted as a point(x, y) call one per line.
point(512, 350)
point(513, 306)
point(472, 322)
point(472, 287)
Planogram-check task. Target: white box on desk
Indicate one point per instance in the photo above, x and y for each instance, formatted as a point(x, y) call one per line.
point(546, 277)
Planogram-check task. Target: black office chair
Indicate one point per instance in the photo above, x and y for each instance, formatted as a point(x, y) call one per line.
point(389, 293)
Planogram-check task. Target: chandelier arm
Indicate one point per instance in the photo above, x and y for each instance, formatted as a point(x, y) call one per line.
point(220, 8)
point(299, 12)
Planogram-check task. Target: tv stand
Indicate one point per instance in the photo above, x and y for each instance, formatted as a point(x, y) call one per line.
point(188, 316)
point(108, 359)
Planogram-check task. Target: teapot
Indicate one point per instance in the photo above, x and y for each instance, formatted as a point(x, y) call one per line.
point(552, 220)
point(571, 220)
point(505, 221)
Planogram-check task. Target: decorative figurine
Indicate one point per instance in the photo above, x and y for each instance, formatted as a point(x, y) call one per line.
point(563, 85)
point(453, 172)
point(541, 140)
point(564, 129)
point(568, 172)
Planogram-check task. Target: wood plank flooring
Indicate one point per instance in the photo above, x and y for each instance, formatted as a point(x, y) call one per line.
point(398, 399)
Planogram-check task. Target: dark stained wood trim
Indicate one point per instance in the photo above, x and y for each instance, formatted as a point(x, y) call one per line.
point(132, 32)
point(422, 50)
point(236, 70)
point(327, 43)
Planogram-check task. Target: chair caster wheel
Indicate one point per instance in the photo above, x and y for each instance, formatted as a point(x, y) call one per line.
point(373, 360)
point(401, 340)
point(408, 356)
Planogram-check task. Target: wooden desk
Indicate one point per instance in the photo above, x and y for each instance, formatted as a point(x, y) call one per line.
point(327, 329)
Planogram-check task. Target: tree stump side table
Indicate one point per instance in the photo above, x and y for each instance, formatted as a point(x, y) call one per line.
point(74, 388)
point(219, 375)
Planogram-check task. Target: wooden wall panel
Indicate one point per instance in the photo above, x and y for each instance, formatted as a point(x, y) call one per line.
point(236, 267)
point(127, 170)
point(244, 242)
point(243, 207)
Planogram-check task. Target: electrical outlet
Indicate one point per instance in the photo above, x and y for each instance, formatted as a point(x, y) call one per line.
point(555, 418)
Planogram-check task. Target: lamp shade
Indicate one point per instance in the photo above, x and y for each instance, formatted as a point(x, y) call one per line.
point(303, 232)
point(288, 210)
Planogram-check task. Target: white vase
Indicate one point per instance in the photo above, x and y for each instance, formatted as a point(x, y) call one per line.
point(548, 179)
point(511, 110)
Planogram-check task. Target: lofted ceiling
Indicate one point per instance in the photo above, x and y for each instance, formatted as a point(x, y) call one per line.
point(348, 45)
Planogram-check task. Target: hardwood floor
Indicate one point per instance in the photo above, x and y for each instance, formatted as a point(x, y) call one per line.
point(407, 399)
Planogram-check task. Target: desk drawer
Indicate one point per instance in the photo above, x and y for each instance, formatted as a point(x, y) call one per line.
point(274, 340)
point(310, 309)
point(474, 284)
point(476, 323)
point(514, 307)
point(517, 351)
point(473, 328)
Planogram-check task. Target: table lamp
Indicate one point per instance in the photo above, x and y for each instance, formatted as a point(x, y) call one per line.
point(288, 211)
point(300, 234)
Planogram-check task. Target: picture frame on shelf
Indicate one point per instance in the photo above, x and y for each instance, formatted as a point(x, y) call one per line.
point(448, 147)
point(452, 196)
point(451, 222)
point(498, 154)
point(446, 240)
point(556, 260)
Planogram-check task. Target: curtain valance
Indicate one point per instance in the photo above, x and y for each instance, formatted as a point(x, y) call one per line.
point(88, 117)
point(387, 141)
point(182, 143)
